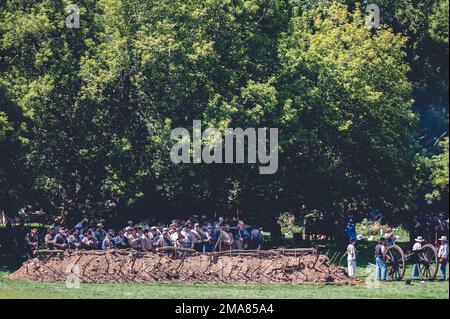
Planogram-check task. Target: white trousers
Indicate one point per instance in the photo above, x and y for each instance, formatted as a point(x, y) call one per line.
point(351, 267)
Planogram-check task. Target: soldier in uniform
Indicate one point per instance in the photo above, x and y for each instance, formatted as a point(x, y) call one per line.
point(61, 239)
point(417, 247)
point(165, 240)
point(200, 238)
point(225, 240)
point(100, 234)
point(121, 240)
point(256, 239)
point(146, 240)
point(241, 237)
point(32, 242)
point(74, 240)
point(380, 259)
point(49, 238)
point(89, 242)
point(133, 238)
point(188, 240)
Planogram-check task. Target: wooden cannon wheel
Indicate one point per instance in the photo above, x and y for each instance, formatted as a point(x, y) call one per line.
point(428, 262)
point(395, 261)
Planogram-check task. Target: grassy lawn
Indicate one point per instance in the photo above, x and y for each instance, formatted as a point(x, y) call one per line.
point(392, 290)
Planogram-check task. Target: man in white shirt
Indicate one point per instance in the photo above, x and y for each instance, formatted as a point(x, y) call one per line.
point(351, 258)
point(417, 247)
point(173, 234)
point(443, 256)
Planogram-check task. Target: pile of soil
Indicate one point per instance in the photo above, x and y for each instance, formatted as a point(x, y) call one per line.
point(118, 266)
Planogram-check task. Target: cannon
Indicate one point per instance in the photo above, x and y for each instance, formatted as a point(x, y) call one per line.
point(426, 258)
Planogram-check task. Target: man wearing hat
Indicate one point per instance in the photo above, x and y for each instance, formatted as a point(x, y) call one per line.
point(416, 248)
point(241, 237)
point(390, 237)
point(199, 238)
point(219, 224)
point(165, 240)
point(89, 242)
point(100, 234)
point(188, 240)
point(32, 242)
point(146, 240)
point(256, 239)
point(108, 242)
point(61, 239)
point(443, 256)
point(121, 240)
point(154, 234)
point(225, 240)
point(133, 238)
point(49, 239)
point(75, 239)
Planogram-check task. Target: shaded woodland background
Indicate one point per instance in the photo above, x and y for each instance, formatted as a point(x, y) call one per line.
point(86, 114)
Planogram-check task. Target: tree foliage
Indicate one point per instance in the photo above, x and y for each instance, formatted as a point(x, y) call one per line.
point(94, 106)
point(438, 165)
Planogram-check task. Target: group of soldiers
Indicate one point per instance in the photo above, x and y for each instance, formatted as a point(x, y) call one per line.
point(201, 237)
point(430, 226)
point(389, 239)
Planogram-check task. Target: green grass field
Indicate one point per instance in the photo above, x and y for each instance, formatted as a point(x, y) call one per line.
point(391, 290)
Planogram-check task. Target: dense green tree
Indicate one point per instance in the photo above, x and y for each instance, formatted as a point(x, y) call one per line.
point(439, 21)
point(425, 25)
point(100, 102)
point(15, 186)
point(348, 108)
point(438, 165)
